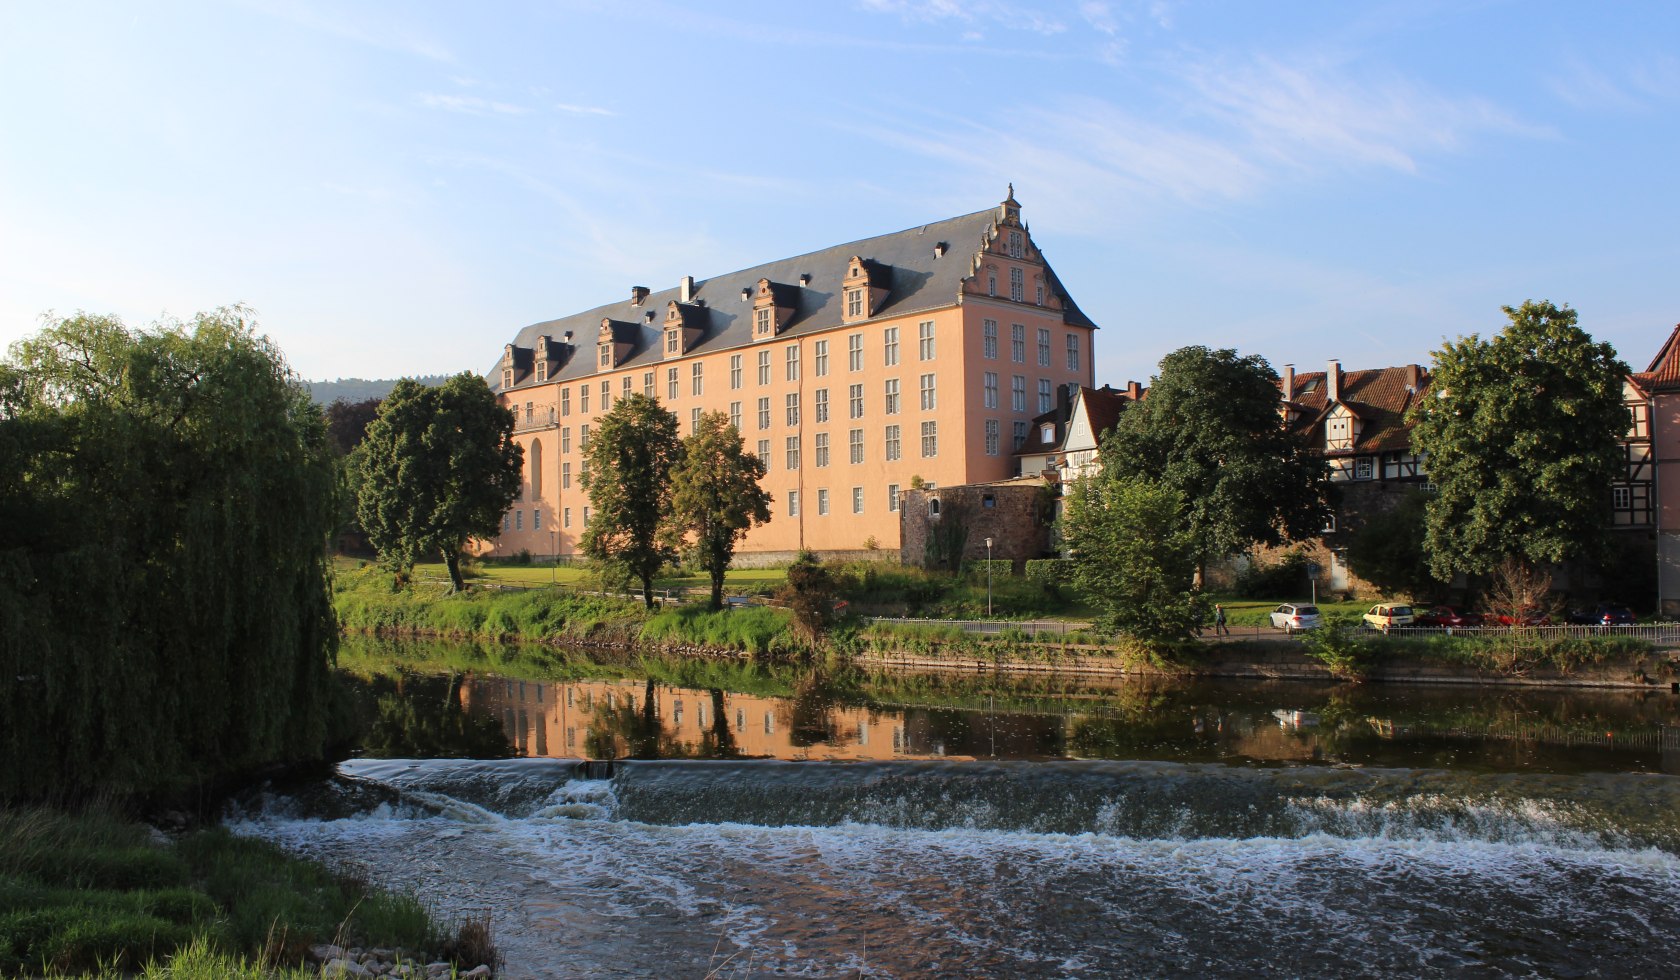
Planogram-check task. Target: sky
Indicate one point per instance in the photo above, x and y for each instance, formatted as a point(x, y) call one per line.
point(396, 188)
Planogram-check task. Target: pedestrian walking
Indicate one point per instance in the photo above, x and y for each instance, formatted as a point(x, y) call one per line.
point(1219, 621)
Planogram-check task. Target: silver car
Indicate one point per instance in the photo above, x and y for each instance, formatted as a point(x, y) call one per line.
point(1292, 616)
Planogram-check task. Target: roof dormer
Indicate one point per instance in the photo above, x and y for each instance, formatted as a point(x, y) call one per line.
point(773, 307)
point(615, 343)
point(864, 288)
point(1342, 426)
point(684, 326)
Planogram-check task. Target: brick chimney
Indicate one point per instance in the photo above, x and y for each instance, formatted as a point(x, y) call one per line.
point(1333, 382)
point(637, 295)
point(1414, 376)
point(685, 290)
point(1134, 391)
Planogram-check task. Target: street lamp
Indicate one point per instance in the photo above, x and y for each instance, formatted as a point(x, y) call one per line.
point(988, 578)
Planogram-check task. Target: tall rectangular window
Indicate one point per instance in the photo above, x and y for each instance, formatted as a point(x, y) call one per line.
point(1043, 346)
point(764, 413)
point(991, 390)
point(565, 438)
point(992, 428)
point(822, 503)
point(542, 371)
point(694, 421)
point(647, 384)
point(697, 378)
point(889, 351)
point(519, 520)
point(625, 390)
point(892, 497)
point(761, 319)
point(565, 401)
point(1045, 399)
point(1018, 431)
point(793, 362)
point(893, 452)
point(929, 396)
point(854, 441)
point(583, 398)
point(991, 282)
point(793, 452)
point(822, 405)
point(1018, 392)
point(1018, 343)
point(763, 367)
point(734, 371)
point(930, 439)
point(1017, 286)
point(822, 358)
point(924, 332)
point(606, 395)
point(854, 303)
point(793, 503)
point(565, 476)
point(1073, 351)
point(892, 396)
point(854, 352)
point(566, 517)
point(536, 519)
point(856, 401)
point(735, 415)
point(671, 383)
point(822, 449)
point(857, 500)
point(793, 409)
point(988, 338)
point(583, 437)
point(764, 454)
point(585, 515)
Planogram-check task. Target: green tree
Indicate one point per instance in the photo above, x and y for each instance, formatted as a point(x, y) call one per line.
point(1387, 550)
point(1521, 439)
point(438, 467)
point(715, 497)
point(627, 472)
point(1210, 429)
point(1133, 557)
point(165, 501)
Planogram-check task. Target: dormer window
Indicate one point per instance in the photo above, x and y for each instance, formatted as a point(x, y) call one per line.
point(762, 321)
point(673, 341)
point(507, 377)
point(1047, 433)
point(542, 370)
point(854, 303)
point(606, 355)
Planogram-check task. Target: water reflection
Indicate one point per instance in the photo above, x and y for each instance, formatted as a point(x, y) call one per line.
point(785, 714)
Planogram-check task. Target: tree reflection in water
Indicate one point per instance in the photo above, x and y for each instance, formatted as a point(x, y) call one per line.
point(425, 719)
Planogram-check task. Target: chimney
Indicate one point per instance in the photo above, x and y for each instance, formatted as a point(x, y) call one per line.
point(637, 295)
point(1134, 391)
point(938, 250)
point(1289, 382)
point(1064, 400)
point(566, 337)
point(1413, 377)
point(804, 278)
point(1333, 381)
point(746, 294)
point(685, 290)
point(648, 316)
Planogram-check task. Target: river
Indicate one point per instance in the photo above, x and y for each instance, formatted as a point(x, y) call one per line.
point(767, 822)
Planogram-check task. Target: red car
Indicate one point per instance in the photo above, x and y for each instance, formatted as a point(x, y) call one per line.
point(1447, 616)
point(1529, 617)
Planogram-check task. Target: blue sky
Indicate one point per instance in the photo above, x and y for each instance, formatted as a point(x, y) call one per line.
point(396, 188)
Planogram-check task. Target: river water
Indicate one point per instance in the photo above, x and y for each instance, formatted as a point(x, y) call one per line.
point(765, 822)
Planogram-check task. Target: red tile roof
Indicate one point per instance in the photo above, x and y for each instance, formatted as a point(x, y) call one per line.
point(1379, 397)
point(1664, 372)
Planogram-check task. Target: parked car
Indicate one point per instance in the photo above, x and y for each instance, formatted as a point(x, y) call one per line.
point(1528, 617)
point(1385, 616)
point(1292, 616)
point(1448, 617)
point(1603, 614)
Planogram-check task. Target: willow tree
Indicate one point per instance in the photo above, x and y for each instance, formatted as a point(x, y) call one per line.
point(165, 501)
point(715, 497)
point(1521, 440)
point(438, 467)
point(628, 468)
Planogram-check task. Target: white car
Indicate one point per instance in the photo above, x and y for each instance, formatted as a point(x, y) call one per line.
point(1292, 616)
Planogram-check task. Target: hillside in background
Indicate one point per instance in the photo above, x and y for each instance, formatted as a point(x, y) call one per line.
point(359, 389)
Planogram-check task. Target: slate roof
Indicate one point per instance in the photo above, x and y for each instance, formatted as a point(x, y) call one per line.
point(1664, 372)
point(1379, 397)
point(919, 282)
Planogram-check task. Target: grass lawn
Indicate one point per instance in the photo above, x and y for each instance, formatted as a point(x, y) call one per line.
point(1256, 612)
point(753, 580)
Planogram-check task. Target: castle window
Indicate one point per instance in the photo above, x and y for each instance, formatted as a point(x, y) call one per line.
point(854, 352)
point(583, 398)
point(991, 437)
point(625, 390)
point(735, 415)
point(1018, 343)
point(793, 362)
point(991, 283)
point(856, 401)
point(892, 497)
point(793, 503)
point(822, 358)
point(734, 371)
point(857, 500)
point(793, 452)
point(1017, 248)
point(991, 390)
point(507, 377)
point(1018, 430)
point(822, 449)
point(606, 355)
point(925, 332)
point(764, 413)
point(822, 503)
point(606, 395)
point(565, 401)
point(890, 349)
point(1017, 285)
point(698, 378)
point(930, 396)
point(672, 343)
point(892, 396)
point(988, 501)
point(694, 421)
point(671, 384)
point(647, 383)
point(854, 303)
point(1045, 399)
point(763, 367)
point(1362, 468)
point(792, 409)
point(893, 451)
point(1043, 346)
point(989, 335)
point(1073, 352)
point(933, 507)
point(930, 439)
point(542, 370)
point(822, 404)
point(764, 454)
point(855, 444)
point(1018, 392)
point(762, 318)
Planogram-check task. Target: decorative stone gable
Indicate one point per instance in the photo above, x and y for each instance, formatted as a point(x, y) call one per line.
point(615, 344)
point(864, 289)
point(774, 304)
point(1009, 266)
point(684, 326)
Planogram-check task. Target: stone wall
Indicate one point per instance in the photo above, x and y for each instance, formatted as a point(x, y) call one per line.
point(1016, 517)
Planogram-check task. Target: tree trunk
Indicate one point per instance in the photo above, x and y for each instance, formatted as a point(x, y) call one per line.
point(717, 588)
point(647, 590)
point(453, 560)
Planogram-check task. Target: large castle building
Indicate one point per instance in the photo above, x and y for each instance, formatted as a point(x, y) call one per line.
point(850, 371)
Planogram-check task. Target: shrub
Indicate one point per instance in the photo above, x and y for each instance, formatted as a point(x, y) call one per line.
point(1342, 645)
point(1281, 579)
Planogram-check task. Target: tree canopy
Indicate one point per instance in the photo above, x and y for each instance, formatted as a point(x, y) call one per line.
point(627, 472)
point(165, 501)
point(1133, 557)
point(1210, 429)
point(1521, 443)
point(438, 467)
point(715, 497)
point(1387, 550)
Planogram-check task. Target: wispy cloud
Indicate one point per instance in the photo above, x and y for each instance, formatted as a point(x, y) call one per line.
point(1009, 15)
point(583, 110)
point(1628, 88)
point(470, 104)
point(346, 23)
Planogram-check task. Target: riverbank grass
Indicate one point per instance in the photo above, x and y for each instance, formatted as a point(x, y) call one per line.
point(88, 892)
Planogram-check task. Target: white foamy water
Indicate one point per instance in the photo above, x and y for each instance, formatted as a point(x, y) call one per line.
point(1506, 887)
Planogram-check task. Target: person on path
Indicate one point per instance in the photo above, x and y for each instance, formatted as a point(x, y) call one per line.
point(1219, 628)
